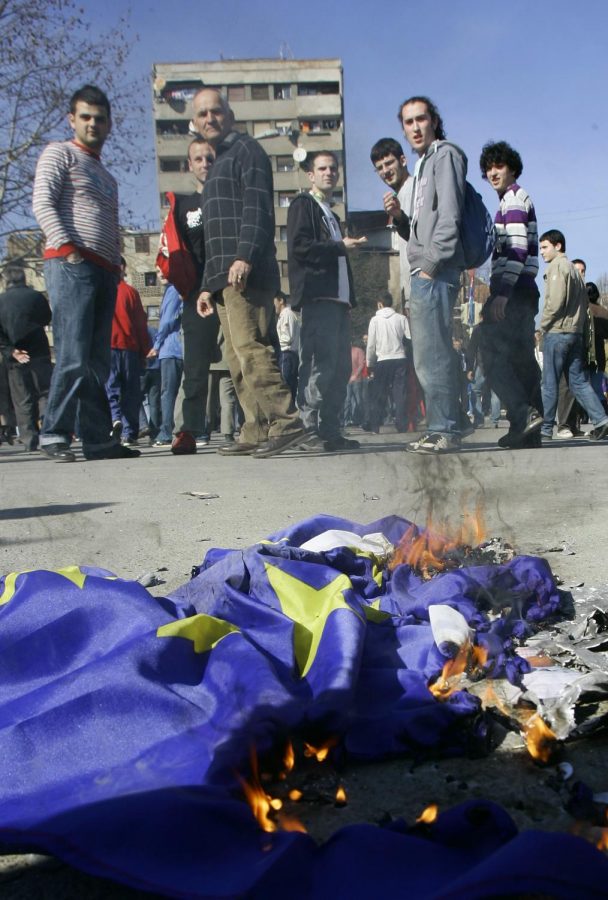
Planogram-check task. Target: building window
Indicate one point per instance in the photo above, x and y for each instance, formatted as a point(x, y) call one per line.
point(262, 128)
point(259, 92)
point(338, 196)
point(283, 233)
point(150, 279)
point(282, 92)
point(314, 88)
point(164, 202)
point(173, 165)
point(171, 128)
point(153, 312)
point(285, 197)
point(241, 127)
point(142, 243)
point(318, 126)
point(284, 127)
point(285, 163)
point(284, 269)
point(236, 93)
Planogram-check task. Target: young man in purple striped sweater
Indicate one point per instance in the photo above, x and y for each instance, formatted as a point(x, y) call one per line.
point(507, 332)
point(76, 204)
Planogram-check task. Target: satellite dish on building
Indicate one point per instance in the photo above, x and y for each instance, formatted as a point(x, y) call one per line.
point(299, 154)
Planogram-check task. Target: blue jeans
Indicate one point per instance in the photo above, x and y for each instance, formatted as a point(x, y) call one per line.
point(564, 353)
point(171, 370)
point(325, 365)
point(476, 398)
point(431, 314)
point(82, 296)
point(289, 362)
point(124, 390)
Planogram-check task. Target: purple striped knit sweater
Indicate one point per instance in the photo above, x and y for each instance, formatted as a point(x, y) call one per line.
point(76, 203)
point(515, 257)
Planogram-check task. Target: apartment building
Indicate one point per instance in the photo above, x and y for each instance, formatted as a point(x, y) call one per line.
point(288, 105)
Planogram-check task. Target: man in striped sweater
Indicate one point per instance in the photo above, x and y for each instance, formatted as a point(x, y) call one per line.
point(76, 205)
point(507, 332)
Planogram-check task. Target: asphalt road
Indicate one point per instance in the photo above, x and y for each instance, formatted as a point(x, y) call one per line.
point(147, 516)
point(140, 516)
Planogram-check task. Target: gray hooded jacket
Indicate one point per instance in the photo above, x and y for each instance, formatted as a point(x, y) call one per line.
point(434, 242)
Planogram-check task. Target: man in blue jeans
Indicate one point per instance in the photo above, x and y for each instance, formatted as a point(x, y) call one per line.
point(76, 205)
point(563, 323)
point(435, 255)
point(168, 348)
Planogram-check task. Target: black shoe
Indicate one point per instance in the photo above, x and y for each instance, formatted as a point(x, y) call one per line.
point(599, 433)
point(312, 443)
point(116, 431)
point(517, 440)
point(237, 448)
point(59, 452)
point(341, 443)
point(276, 445)
point(533, 422)
point(228, 438)
point(116, 451)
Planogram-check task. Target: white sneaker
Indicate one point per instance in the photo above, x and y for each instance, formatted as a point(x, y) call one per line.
point(434, 443)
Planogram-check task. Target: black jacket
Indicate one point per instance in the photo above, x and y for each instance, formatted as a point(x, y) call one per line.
point(312, 254)
point(189, 220)
point(238, 214)
point(23, 314)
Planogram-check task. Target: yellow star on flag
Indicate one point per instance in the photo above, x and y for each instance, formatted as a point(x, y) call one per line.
point(309, 608)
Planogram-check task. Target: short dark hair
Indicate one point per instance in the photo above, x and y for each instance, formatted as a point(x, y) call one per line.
point(386, 147)
point(582, 263)
point(92, 95)
point(197, 139)
point(432, 111)
point(309, 162)
point(500, 153)
point(386, 299)
point(593, 292)
point(14, 275)
point(555, 237)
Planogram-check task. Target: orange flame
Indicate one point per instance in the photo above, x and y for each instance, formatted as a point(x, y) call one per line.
point(602, 844)
point(295, 795)
point(341, 796)
point(539, 738)
point(289, 757)
point(320, 753)
point(261, 803)
point(429, 814)
point(469, 657)
point(491, 698)
point(290, 823)
point(426, 550)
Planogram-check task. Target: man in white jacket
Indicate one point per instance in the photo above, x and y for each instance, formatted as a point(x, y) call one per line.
point(387, 339)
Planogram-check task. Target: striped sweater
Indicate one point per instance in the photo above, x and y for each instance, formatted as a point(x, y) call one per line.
point(76, 204)
point(515, 257)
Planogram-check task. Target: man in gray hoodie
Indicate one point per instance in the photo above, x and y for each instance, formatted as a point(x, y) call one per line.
point(436, 261)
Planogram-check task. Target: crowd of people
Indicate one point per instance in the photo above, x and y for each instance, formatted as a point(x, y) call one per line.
point(283, 372)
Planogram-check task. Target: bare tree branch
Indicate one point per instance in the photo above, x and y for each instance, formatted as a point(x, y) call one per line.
point(47, 51)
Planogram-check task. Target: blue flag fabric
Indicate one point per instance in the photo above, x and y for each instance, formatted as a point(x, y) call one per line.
point(123, 717)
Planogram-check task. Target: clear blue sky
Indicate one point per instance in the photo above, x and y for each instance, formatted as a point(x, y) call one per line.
point(533, 74)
